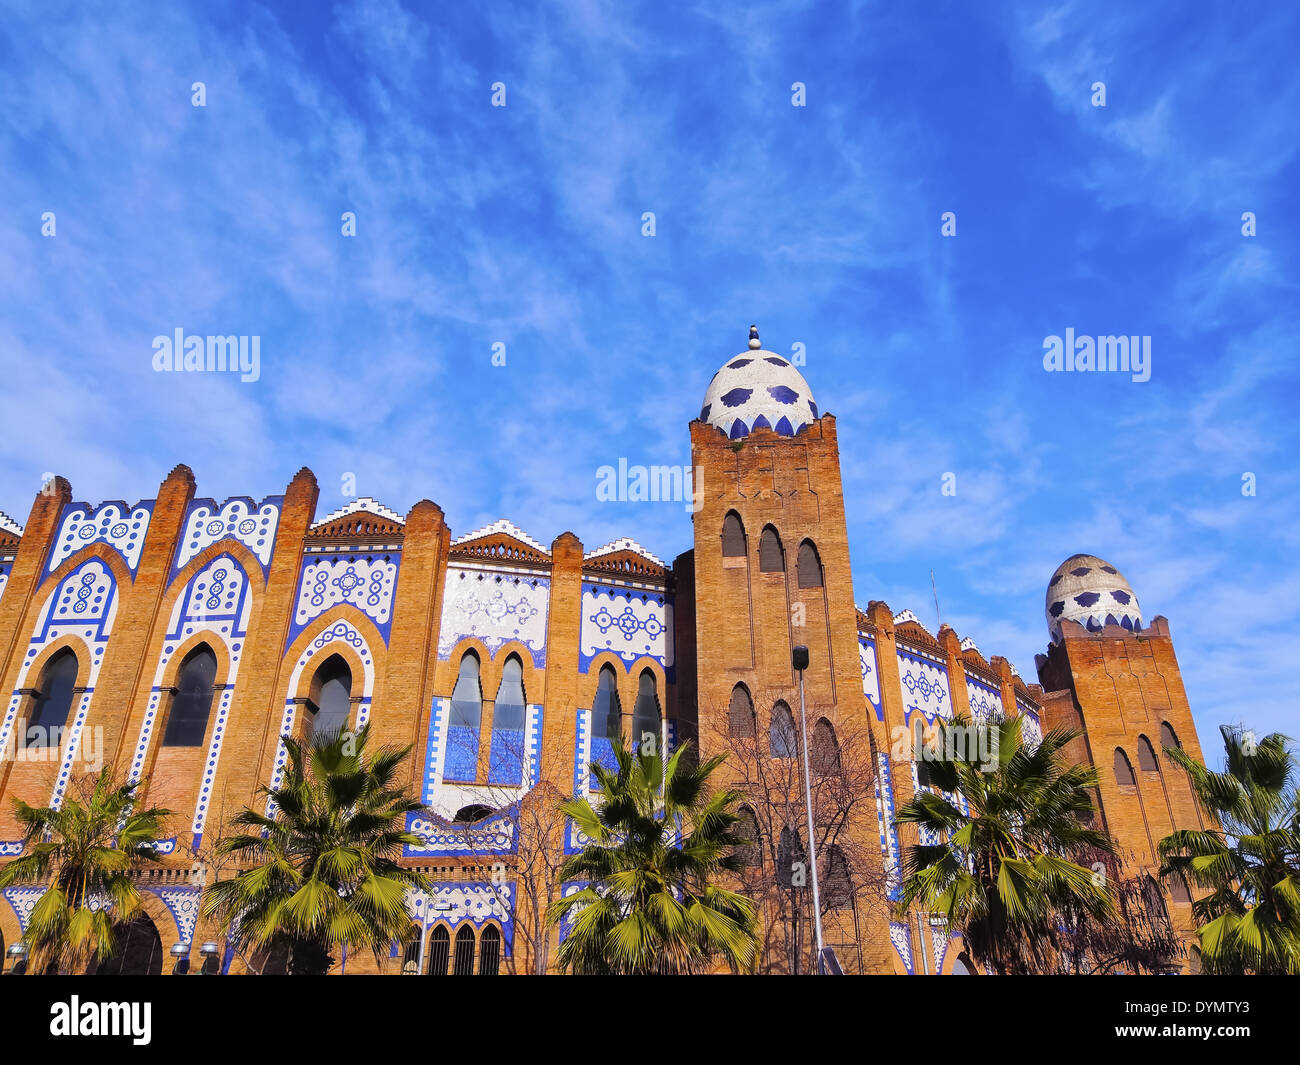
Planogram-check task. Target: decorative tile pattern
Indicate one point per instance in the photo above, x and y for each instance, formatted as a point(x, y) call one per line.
point(889, 847)
point(366, 581)
point(902, 944)
point(71, 748)
point(183, 904)
point(339, 634)
point(495, 835)
point(870, 675)
point(985, 700)
point(23, 900)
point(473, 902)
point(121, 527)
point(939, 940)
point(496, 607)
point(251, 524)
point(215, 602)
point(1031, 728)
point(435, 747)
point(924, 682)
point(758, 389)
point(1092, 592)
point(629, 622)
point(83, 605)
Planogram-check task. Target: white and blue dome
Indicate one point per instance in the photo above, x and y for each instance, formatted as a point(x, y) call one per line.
point(1092, 592)
point(758, 389)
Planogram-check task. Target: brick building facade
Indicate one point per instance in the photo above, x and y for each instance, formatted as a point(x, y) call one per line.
point(178, 639)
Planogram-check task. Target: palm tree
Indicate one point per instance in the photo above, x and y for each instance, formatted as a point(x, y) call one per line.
point(321, 871)
point(658, 840)
point(83, 853)
point(1004, 865)
point(1250, 920)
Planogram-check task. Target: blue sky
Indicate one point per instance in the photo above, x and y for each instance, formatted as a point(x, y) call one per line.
point(522, 225)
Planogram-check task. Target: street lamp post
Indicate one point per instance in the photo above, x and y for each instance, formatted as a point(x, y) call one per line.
point(800, 664)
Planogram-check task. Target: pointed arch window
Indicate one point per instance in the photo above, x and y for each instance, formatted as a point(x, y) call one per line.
point(411, 953)
point(54, 703)
point(1123, 768)
point(464, 952)
point(607, 712)
point(187, 722)
point(810, 566)
point(825, 752)
point(506, 758)
point(733, 536)
point(771, 557)
point(1168, 738)
point(740, 715)
point(489, 951)
point(439, 951)
point(606, 720)
point(645, 714)
point(333, 685)
point(782, 742)
point(1147, 756)
point(466, 717)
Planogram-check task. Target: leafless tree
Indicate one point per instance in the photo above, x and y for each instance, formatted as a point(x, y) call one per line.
point(764, 760)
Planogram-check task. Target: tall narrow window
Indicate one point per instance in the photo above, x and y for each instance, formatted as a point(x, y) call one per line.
point(789, 857)
point(506, 757)
point(1123, 768)
point(733, 536)
point(187, 723)
point(645, 714)
point(1147, 756)
point(606, 719)
point(439, 951)
point(1168, 738)
point(740, 716)
point(810, 566)
point(333, 697)
point(825, 750)
point(466, 716)
point(411, 953)
point(839, 879)
point(607, 713)
point(464, 952)
point(489, 951)
point(751, 853)
point(54, 702)
point(771, 559)
point(781, 737)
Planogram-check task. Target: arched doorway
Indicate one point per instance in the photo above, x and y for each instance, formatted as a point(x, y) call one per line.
point(139, 950)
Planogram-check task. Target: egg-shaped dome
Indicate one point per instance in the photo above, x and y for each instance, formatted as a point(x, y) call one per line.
point(758, 389)
point(1092, 592)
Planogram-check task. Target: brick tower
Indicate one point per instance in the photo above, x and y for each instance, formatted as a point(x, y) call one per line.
point(1118, 682)
point(770, 570)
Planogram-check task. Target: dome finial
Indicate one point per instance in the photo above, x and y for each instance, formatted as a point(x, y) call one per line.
point(754, 342)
